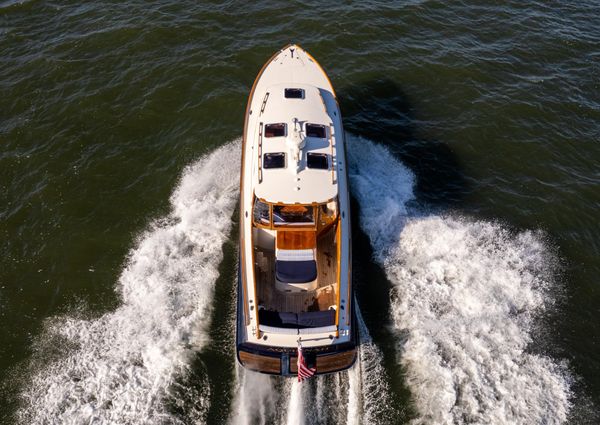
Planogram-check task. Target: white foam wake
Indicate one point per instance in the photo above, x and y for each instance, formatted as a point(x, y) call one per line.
point(369, 390)
point(257, 399)
point(123, 364)
point(466, 294)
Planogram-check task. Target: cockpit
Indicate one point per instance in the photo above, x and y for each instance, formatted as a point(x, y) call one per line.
point(296, 261)
point(316, 216)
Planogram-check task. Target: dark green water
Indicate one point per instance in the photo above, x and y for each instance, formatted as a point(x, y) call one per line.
point(494, 108)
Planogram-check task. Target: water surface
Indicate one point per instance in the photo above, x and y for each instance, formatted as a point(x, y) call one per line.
point(118, 124)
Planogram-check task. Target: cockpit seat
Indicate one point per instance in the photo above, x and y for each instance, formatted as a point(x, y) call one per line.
point(295, 266)
point(295, 261)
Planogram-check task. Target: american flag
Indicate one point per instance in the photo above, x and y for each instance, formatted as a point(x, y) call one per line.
point(304, 372)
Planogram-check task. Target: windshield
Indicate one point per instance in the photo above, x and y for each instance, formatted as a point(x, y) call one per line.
point(293, 214)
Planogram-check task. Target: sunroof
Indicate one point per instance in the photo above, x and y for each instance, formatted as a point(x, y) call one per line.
point(315, 130)
point(274, 160)
point(293, 93)
point(317, 160)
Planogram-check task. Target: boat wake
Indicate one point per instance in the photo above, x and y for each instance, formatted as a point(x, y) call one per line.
point(127, 366)
point(465, 297)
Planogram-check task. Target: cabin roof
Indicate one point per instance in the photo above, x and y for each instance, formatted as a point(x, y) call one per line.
point(296, 182)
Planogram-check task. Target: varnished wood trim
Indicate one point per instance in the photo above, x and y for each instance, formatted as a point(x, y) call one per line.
point(260, 363)
point(242, 206)
point(329, 362)
point(287, 239)
point(335, 362)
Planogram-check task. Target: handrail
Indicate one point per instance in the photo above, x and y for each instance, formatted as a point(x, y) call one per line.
point(331, 146)
point(260, 135)
point(338, 273)
point(260, 131)
point(264, 103)
point(350, 299)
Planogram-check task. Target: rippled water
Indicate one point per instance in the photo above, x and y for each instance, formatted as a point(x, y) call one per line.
point(115, 124)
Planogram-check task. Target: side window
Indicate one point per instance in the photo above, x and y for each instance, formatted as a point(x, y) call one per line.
point(315, 130)
point(327, 212)
point(275, 130)
point(261, 213)
point(317, 160)
point(274, 160)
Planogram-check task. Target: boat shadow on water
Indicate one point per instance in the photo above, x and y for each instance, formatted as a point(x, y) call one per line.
point(380, 111)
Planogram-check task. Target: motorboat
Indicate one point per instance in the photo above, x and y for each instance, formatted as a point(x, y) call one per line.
point(294, 280)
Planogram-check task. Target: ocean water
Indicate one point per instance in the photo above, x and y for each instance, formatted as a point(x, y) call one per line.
point(473, 137)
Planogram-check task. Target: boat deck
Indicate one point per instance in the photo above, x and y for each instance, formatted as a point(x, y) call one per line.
point(317, 300)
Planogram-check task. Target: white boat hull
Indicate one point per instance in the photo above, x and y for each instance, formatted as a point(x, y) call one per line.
point(295, 281)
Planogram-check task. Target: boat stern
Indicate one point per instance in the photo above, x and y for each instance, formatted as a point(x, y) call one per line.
point(283, 361)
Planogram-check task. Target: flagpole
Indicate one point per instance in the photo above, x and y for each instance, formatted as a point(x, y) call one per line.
point(298, 357)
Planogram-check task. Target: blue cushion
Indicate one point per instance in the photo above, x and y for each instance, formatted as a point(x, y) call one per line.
point(277, 319)
point(309, 319)
point(288, 318)
point(296, 271)
point(316, 319)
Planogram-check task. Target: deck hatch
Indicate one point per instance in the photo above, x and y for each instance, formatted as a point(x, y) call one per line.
point(274, 160)
point(293, 93)
point(317, 160)
point(316, 130)
point(275, 130)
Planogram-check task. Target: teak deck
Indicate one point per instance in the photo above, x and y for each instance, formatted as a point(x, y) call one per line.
point(320, 299)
